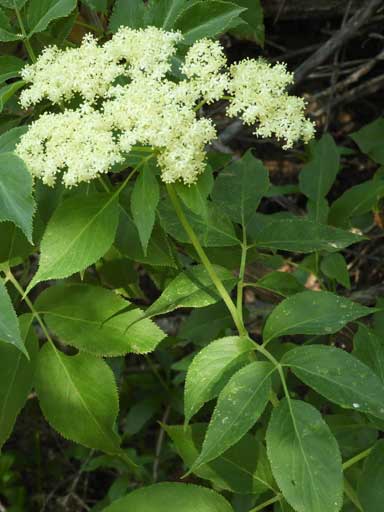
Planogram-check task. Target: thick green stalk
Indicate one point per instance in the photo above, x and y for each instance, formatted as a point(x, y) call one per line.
point(26, 42)
point(205, 260)
point(265, 504)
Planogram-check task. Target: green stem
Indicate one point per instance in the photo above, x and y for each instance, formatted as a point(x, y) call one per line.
point(266, 503)
point(357, 458)
point(26, 42)
point(240, 284)
point(205, 261)
point(89, 26)
point(351, 493)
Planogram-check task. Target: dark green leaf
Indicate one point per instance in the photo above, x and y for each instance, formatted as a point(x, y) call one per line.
point(9, 139)
point(78, 397)
point(16, 201)
point(253, 26)
point(97, 5)
point(338, 376)
point(239, 406)
point(211, 369)
point(335, 267)
point(369, 348)
point(195, 197)
point(305, 458)
point(16, 377)
point(77, 313)
point(41, 13)
point(370, 486)
point(370, 140)
point(9, 324)
point(283, 283)
point(10, 67)
point(144, 200)
point(312, 312)
point(130, 14)
point(9, 90)
point(7, 32)
point(171, 497)
point(240, 187)
point(14, 245)
point(205, 324)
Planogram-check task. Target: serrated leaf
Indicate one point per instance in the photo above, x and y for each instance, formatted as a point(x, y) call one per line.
point(369, 348)
point(207, 18)
point(9, 324)
point(305, 458)
point(169, 497)
point(130, 14)
point(243, 469)
point(370, 140)
point(10, 67)
point(312, 312)
point(299, 235)
point(144, 200)
point(211, 369)
point(16, 201)
point(7, 32)
point(78, 397)
point(335, 267)
point(370, 486)
point(192, 288)
point(338, 376)
point(76, 313)
point(239, 406)
point(14, 246)
point(41, 13)
point(253, 26)
point(240, 186)
point(16, 377)
point(80, 231)
point(8, 91)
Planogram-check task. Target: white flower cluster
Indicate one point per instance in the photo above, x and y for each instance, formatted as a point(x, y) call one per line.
point(127, 98)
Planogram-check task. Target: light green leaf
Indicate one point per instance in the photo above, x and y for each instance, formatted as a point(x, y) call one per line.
point(78, 397)
point(305, 458)
point(317, 176)
point(10, 138)
point(9, 90)
point(16, 377)
point(240, 186)
point(299, 235)
point(239, 406)
point(130, 14)
point(192, 288)
point(171, 497)
point(207, 18)
point(369, 348)
point(370, 485)
point(76, 313)
point(312, 312)
point(144, 200)
point(283, 283)
point(10, 67)
point(7, 33)
point(370, 140)
point(214, 229)
point(80, 231)
point(9, 324)
point(211, 369)
point(338, 376)
point(243, 469)
point(335, 267)
point(164, 13)
point(41, 13)
point(16, 201)
point(195, 197)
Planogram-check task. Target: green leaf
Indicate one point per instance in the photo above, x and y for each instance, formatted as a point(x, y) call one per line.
point(195, 197)
point(338, 376)
point(204, 324)
point(240, 186)
point(207, 18)
point(9, 324)
point(76, 313)
point(10, 67)
point(369, 348)
point(283, 283)
point(192, 288)
point(305, 458)
point(312, 312)
point(171, 497)
point(130, 14)
point(7, 33)
point(8, 91)
point(80, 231)
point(335, 267)
point(10, 4)
point(214, 229)
point(211, 369)
point(317, 176)
point(10, 138)
point(97, 5)
point(239, 406)
point(370, 486)
point(370, 140)
point(78, 397)
point(164, 13)
point(16, 201)
point(242, 469)
point(16, 377)
point(144, 200)
point(299, 235)
point(253, 26)
point(355, 201)
point(14, 246)
point(41, 13)
point(353, 432)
